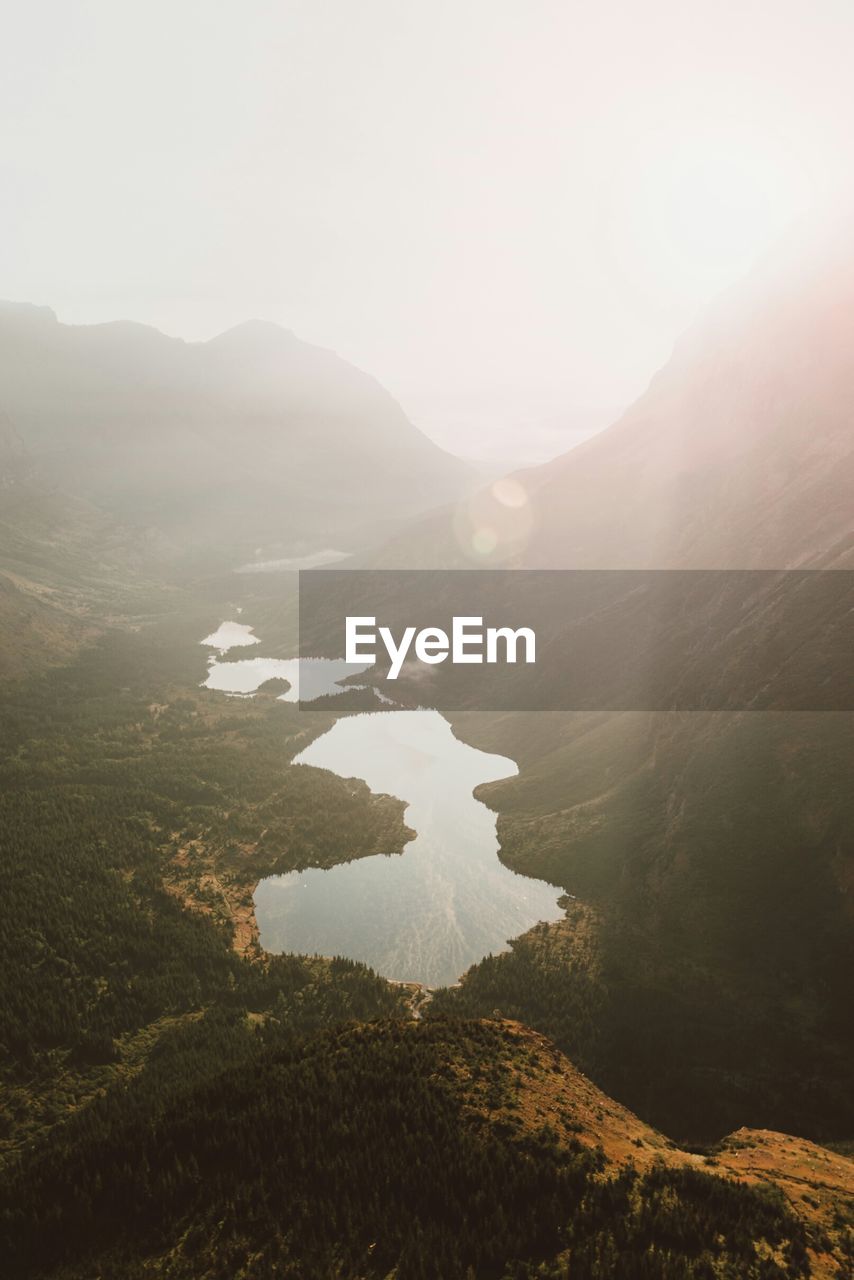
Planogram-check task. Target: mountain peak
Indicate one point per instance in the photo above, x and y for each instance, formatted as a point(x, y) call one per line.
point(254, 332)
point(26, 312)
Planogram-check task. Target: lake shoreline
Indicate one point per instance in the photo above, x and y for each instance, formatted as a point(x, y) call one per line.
point(444, 904)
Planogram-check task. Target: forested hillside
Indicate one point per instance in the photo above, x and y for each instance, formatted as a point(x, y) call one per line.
point(440, 1150)
point(709, 984)
point(137, 816)
point(137, 1015)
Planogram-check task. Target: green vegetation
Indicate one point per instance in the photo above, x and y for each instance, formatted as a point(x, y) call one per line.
point(710, 986)
point(110, 769)
point(362, 1152)
point(177, 1104)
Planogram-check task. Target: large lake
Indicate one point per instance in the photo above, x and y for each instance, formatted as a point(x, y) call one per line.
point(429, 913)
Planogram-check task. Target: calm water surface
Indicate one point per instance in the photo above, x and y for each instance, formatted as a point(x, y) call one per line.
point(429, 913)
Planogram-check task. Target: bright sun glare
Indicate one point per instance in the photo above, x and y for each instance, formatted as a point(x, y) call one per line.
point(690, 210)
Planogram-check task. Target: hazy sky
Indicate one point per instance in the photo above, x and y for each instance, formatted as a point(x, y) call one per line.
point(504, 210)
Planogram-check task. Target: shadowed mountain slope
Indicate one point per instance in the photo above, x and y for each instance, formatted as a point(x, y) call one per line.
point(715, 850)
point(739, 455)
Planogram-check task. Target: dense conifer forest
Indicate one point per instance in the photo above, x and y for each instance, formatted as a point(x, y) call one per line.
point(704, 976)
point(387, 1149)
point(108, 771)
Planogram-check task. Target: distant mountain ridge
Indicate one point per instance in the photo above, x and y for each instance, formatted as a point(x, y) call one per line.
point(254, 438)
point(129, 459)
point(740, 454)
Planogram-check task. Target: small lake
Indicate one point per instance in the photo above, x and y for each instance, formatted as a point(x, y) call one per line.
point(309, 678)
point(425, 915)
point(291, 564)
